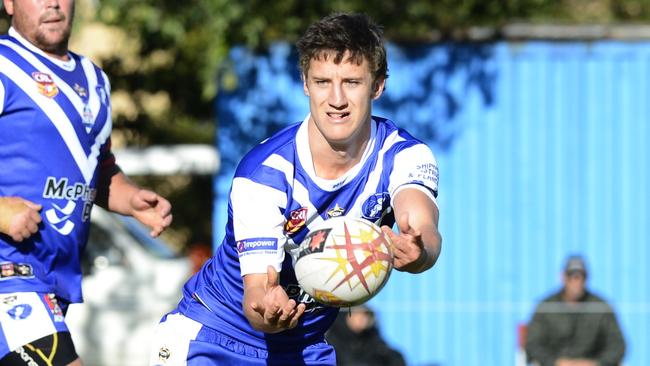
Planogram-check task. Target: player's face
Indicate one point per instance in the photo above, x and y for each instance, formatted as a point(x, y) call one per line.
point(44, 23)
point(340, 98)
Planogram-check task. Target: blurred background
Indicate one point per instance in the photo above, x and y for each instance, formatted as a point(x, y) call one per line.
point(537, 110)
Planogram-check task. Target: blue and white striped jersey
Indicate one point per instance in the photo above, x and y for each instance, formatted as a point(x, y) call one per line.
point(274, 200)
point(55, 125)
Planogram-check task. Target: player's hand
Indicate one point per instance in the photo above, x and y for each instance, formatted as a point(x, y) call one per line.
point(278, 311)
point(152, 210)
point(408, 247)
point(19, 218)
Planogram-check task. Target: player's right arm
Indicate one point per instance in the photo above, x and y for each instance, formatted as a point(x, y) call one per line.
point(258, 229)
point(19, 218)
point(267, 306)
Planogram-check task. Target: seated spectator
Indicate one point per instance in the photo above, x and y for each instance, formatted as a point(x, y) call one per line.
point(357, 340)
point(574, 327)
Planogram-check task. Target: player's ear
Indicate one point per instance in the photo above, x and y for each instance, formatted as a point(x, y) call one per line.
point(304, 84)
point(378, 87)
point(9, 6)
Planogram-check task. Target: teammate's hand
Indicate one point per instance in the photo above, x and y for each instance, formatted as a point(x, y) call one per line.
point(408, 247)
point(19, 218)
point(152, 210)
point(278, 311)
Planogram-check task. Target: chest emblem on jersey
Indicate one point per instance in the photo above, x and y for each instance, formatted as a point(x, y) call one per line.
point(375, 205)
point(88, 119)
point(335, 211)
point(81, 91)
point(296, 221)
point(45, 84)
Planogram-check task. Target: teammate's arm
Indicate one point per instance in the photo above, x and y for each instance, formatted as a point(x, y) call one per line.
point(266, 305)
point(417, 244)
point(117, 193)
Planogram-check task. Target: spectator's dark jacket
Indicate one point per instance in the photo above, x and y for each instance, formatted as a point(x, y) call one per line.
point(361, 349)
point(588, 329)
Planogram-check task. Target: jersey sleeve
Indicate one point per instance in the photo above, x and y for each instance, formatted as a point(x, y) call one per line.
point(2, 96)
point(258, 225)
point(106, 157)
point(415, 167)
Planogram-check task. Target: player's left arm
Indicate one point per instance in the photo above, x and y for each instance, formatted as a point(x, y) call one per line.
point(417, 244)
point(117, 193)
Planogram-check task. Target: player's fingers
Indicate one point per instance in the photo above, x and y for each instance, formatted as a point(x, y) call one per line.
point(300, 309)
point(32, 227)
point(148, 196)
point(272, 315)
point(32, 205)
point(167, 220)
point(164, 208)
point(156, 230)
point(258, 308)
point(35, 217)
point(287, 311)
point(272, 278)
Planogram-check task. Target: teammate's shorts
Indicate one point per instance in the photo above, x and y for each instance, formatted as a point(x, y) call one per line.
point(33, 330)
point(180, 341)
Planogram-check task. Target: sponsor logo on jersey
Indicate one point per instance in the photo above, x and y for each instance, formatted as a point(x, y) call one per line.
point(296, 221)
point(55, 309)
point(8, 299)
point(10, 269)
point(20, 311)
point(62, 189)
point(427, 172)
point(375, 205)
point(163, 354)
point(59, 216)
point(253, 245)
point(295, 292)
point(45, 84)
point(88, 119)
point(102, 94)
point(335, 211)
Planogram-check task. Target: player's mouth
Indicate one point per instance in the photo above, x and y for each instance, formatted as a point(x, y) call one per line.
point(53, 18)
point(338, 116)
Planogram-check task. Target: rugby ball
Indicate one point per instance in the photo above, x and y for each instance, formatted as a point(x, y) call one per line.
point(344, 261)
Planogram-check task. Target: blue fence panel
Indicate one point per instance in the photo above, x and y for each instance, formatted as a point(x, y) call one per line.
point(543, 151)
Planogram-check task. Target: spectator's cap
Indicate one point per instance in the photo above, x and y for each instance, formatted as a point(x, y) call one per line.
point(575, 264)
point(361, 308)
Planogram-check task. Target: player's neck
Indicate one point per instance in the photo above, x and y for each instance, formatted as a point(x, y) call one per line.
point(331, 160)
point(59, 52)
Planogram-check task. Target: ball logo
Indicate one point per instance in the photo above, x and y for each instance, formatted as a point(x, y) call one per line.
point(296, 221)
point(314, 242)
point(45, 84)
point(376, 262)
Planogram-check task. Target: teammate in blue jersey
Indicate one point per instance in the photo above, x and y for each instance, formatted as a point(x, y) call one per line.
point(55, 160)
point(245, 307)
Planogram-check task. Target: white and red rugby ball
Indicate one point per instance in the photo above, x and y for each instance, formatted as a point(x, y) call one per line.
point(344, 261)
